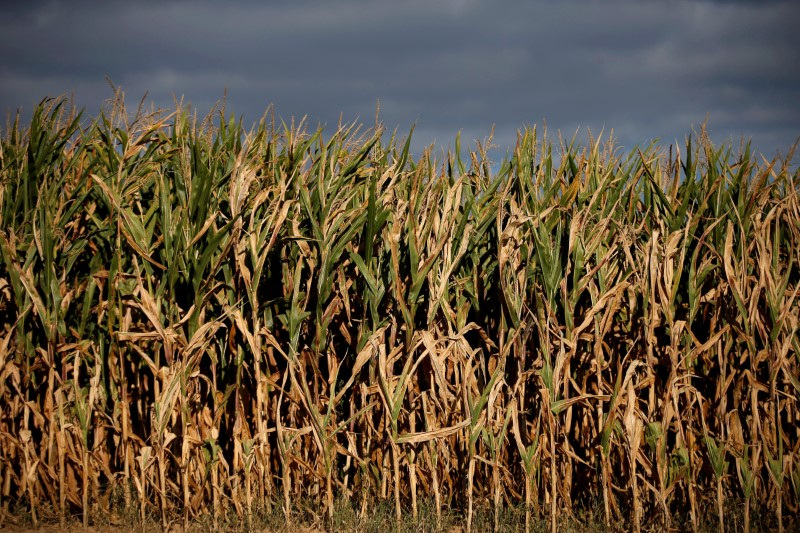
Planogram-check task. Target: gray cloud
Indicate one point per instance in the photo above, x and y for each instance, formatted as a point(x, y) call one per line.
point(646, 69)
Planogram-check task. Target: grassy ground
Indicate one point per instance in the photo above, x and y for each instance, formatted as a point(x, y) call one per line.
point(309, 518)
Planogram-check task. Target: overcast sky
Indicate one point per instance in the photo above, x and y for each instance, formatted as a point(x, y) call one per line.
point(646, 68)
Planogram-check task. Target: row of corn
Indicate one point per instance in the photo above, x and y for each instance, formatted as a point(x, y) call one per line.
point(204, 319)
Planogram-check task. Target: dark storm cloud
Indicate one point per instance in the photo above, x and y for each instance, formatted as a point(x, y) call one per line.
point(646, 69)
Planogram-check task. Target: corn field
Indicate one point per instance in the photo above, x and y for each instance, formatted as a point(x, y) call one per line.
point(210, 320)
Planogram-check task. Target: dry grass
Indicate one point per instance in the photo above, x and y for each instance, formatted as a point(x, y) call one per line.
point(199, 323)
